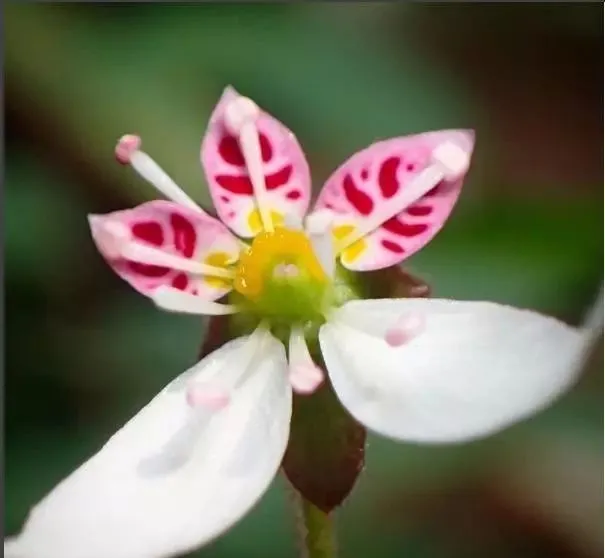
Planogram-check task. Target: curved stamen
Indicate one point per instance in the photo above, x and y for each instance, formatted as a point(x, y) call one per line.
point(115, 241)
point(127, 152)
point(175, 300)
point(448, 162)
point(141, 253)
point(240, 116)
point(305, 376)
point(319, 229)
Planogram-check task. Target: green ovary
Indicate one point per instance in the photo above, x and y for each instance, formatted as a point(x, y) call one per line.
point(293, 301)
point(280, 281)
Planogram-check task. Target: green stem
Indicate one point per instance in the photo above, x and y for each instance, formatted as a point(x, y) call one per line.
point(316, 531)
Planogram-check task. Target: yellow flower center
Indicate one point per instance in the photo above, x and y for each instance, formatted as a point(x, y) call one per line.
point(268, 258)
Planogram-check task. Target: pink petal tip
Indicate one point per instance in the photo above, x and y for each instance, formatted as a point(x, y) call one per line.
point(109, 236)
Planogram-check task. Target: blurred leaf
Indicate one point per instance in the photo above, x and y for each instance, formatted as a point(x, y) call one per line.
point(40, 223)
point(521, 253)
point(366, 93)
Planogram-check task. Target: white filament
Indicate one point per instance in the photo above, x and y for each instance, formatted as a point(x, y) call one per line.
point(319, 229)
point(448, 161)
point(153, 173)
point(305, 376)
point(240, 116)
point(142, 253)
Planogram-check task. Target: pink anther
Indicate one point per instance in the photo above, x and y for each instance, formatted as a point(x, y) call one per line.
point(305, 379)
point(239, 112)
point(126, 147)
point(212, 398)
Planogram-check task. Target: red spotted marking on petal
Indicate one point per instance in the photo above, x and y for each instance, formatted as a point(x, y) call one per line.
point(436, 190)
point(293, 195)
point(392, 247)
point(240, 185)
point(231, 153)
point(225, 199)
point(149, 231)
point(395, 226)
point(147, 270)
point(229, 150)
point(266, 150)
point(184, 234)
point(358, 199)
point(364, 174)
point(279, 178)
point(180, 282)
point(387, 177)
point(419, 210)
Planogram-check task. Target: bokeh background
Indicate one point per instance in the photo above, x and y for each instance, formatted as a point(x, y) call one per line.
point(84, 352)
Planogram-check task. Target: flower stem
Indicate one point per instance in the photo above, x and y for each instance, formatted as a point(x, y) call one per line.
point(315, 529)
point(319, 539)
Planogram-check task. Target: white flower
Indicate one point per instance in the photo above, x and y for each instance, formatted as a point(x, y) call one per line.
point(204, 450)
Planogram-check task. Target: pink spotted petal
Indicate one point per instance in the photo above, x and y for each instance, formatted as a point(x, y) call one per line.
point(368, 181)
point(174, 229)
point(287, 176)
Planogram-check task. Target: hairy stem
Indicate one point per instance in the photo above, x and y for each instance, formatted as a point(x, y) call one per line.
point(316, 535)
point(319, 536)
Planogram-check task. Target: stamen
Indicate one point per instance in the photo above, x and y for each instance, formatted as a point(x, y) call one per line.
point(405, 329)
point(448, 162)
point(115, 241)
point(127, 152)
point(305, 376)
point(141, 253)
point(319, 221)
point(240, 116)
point(175, 300)
point(319, 229)
point(126, 147)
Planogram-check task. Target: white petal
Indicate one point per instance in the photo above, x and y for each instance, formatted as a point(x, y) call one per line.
point(172, 478)
point(475, 368)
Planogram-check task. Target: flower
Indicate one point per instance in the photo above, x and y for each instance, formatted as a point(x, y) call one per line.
point(204, 450)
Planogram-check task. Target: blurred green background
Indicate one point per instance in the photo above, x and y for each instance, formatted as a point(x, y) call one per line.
point(84, 352)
